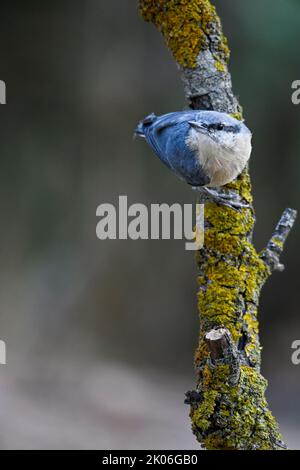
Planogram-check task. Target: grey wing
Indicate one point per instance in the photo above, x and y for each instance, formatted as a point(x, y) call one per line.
point(166, 135)
point(171, 119)
point(182, 159)
point(158, 130)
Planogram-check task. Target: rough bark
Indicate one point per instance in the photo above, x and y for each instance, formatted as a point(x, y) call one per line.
point(228, 406)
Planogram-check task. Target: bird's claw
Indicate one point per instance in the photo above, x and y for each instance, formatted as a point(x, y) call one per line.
point(225, 198)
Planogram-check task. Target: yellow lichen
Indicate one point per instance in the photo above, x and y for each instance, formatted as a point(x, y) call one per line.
point(220, 66)
point(240, 414)
point(238, 116)
point(231, 272)
point(277, 242)
point(201, 415)
point(243, 186)
point(186, 26)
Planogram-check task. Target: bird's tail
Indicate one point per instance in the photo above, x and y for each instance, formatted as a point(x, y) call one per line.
point(140, 130)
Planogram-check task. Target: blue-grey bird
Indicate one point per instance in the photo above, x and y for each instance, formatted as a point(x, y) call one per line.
point(207, 149)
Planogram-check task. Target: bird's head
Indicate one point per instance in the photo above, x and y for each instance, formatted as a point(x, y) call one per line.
point(221, 130)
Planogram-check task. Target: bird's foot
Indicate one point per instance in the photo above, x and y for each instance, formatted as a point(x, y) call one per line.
point(223, 197)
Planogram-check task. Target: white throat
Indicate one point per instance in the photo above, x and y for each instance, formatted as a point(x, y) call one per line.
point(221, 163)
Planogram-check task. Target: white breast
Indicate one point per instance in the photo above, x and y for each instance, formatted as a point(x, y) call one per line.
point(221, 163)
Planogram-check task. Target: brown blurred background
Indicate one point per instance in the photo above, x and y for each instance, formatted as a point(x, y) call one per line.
point(100, 334)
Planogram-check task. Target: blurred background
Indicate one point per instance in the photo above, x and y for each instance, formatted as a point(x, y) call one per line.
point(100, 335)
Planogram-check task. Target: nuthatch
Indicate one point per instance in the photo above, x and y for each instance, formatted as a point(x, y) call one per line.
point(207, 149)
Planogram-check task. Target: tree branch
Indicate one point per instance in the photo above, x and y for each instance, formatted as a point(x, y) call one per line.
point(223, 351)
point(228, 407)
point(271, 254)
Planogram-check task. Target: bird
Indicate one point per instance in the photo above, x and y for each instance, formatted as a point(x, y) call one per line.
point(206, 149)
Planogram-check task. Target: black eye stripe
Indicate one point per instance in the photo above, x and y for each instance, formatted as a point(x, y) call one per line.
point(223, 127)
point(233, 129)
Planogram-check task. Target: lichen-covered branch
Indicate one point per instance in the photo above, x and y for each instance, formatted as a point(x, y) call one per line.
point(271, 254)
point(192, 30)
point(224, 351)
point(228, 406)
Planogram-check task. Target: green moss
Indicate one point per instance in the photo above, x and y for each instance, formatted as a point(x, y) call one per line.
point(186, 26)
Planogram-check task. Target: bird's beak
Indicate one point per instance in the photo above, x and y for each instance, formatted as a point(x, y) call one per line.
point(198, 126)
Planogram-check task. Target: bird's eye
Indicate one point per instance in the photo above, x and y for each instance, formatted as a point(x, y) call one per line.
point(216, 127)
